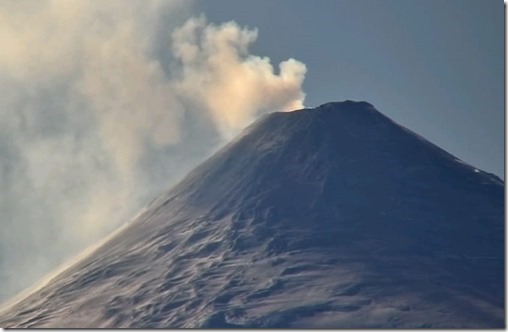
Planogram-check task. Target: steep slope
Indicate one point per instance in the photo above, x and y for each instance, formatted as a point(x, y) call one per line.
point(327, 217)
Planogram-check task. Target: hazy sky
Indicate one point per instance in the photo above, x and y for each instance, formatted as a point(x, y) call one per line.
point(434, 66)
point(107, 103)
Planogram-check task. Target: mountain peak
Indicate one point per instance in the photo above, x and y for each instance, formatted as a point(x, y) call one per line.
point(337, 107)
point(346, 105)
point(346, 111)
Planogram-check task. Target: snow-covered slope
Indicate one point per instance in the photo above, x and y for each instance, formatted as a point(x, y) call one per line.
point(327, 217)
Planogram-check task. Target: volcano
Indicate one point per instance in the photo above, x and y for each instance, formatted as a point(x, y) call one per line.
point(333, 217)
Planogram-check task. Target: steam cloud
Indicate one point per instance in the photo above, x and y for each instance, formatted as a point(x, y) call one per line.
point(104, 105)
point(217, 65)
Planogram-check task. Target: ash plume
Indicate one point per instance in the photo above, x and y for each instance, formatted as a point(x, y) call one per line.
point(106, 104)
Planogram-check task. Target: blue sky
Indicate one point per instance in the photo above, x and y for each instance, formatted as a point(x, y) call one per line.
point(434, 66)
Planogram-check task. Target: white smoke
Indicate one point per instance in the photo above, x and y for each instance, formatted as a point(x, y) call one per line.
point(229, 82)
point(103, 105)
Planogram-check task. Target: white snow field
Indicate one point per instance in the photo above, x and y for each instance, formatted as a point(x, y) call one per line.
point(330, 217)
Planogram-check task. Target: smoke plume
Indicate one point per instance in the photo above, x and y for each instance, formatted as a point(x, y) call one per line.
point(105, 104)
point(216, 65)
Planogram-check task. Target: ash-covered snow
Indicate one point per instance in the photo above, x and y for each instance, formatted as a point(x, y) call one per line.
point(327, 217)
